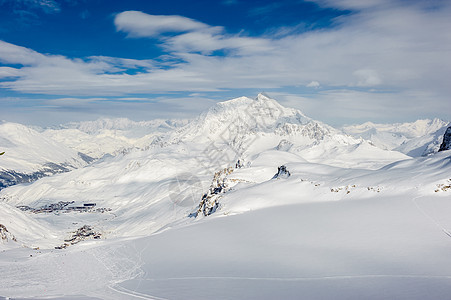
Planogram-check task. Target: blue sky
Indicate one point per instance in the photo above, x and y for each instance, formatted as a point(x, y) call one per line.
point(341, 61)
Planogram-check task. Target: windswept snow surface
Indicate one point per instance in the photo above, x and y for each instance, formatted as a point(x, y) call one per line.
point(352, 221)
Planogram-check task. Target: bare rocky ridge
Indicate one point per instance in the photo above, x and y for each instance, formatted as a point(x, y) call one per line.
point(6, 235)
point(446, 144)
point(210, 200)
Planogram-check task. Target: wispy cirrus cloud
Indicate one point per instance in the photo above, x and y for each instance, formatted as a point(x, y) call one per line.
point(47, 6)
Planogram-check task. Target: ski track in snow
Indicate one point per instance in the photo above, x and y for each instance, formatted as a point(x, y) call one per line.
point(121, 290)
point(429, 217)
point(302, 278)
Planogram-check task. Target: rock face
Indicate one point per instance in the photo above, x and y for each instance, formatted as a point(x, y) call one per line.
point(446, 144)
point(210, 200)
point(282, 172)
point(83, 233)
point(6, 235)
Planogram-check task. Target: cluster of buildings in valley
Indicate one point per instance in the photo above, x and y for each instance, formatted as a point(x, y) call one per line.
point(64, 206)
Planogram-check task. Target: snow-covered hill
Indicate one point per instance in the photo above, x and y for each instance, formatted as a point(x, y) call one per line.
point(30, 155)
point(415, 139)
point(201, 213)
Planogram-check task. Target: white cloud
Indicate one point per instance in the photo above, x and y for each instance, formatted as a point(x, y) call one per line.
point(192, 36)
point(367, 78)
point(12, 54)
point(313, 84)
point(345, 106)
point(6, 72)
point(399, 48)
point(139, 24)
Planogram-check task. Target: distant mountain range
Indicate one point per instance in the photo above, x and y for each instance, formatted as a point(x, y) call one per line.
point(114, 161)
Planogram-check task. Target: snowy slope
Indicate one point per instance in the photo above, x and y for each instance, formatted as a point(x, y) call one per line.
point(141, 186)
point(304, 235)
point(418, 138)
point(30, 155)
point(351, 221)
point(26, 150)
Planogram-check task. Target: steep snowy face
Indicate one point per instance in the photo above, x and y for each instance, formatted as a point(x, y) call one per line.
point(446, 144)
point(243, 121)
point(418, 138)
point(243, 116)
point(243, 127)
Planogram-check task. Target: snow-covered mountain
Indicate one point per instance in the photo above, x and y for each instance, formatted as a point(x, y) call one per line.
point(243, 127)
point(201, 207)
point(138, 184)
point(418, 138)
point(110, 136)
point(30, 155)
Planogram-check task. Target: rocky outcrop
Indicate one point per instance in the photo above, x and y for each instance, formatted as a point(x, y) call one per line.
point(284, 145)
point(83, 233)
point(210, 200)
point(282, 172)
point(446, 144)
point(6, 235)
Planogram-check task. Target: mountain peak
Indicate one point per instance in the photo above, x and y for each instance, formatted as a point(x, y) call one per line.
point(263, 96)
point(262, 111)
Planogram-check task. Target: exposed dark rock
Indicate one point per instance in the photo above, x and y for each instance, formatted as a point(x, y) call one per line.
point(239, 164)
point(210, 200)
point(282, 172)
point(83, 233)
point(446, 144)
point(11, 177)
